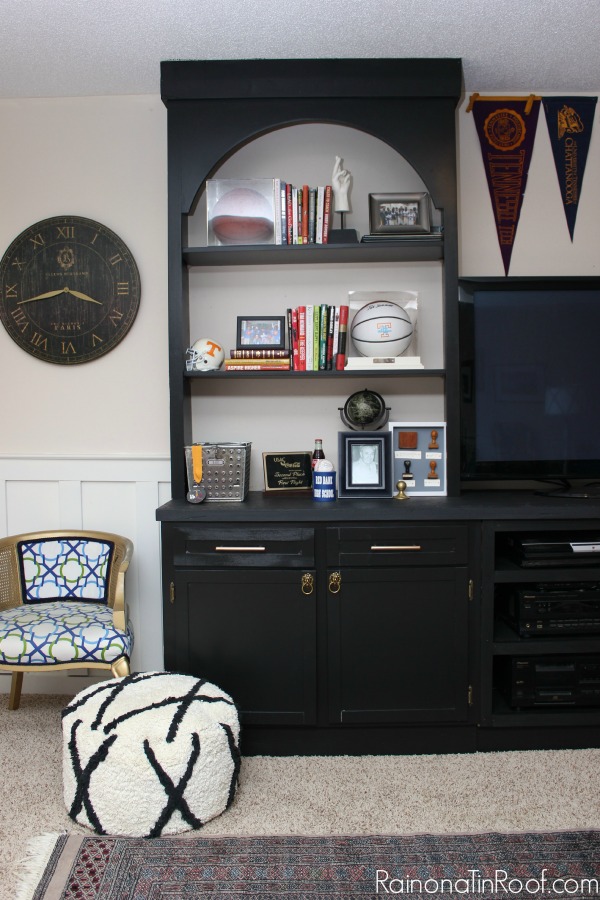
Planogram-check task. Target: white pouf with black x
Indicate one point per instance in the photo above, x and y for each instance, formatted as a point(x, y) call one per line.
point(149, 754)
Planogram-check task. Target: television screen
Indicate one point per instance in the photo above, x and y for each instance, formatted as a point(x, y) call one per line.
point(530, 379)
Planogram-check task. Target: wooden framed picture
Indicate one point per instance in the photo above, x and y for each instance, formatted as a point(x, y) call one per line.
point(399, 213)
point(260, 333)
point(419, 457)
point(365, 463)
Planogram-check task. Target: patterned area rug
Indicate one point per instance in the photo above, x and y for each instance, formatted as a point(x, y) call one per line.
point(481, 866)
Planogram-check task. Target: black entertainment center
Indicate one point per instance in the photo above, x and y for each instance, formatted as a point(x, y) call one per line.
point(369, 625)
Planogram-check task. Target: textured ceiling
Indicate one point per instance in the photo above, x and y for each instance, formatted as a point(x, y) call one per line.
point(54, 48)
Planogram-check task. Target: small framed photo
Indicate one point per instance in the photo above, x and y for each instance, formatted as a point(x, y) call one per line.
point(419, 457)
point(365, 463)
point(260, 333)
point(399, 213)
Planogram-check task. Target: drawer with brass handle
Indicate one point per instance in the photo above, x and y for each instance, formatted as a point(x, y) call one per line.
point(397, 545)
point(233, 546)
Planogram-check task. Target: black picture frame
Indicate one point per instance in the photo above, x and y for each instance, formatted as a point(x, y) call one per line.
point(260, 333)
point(288, 471)
point(365, 464)
point(399, 213)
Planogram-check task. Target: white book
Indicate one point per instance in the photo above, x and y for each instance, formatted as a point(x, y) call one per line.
point(319, 215)
point(277, 209)
point(336, 332)
point(310, 354)
point(294, 215)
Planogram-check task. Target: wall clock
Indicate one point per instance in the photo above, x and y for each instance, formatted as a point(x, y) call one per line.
point(70, 290)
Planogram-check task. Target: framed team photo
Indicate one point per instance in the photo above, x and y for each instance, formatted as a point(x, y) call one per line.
point(399, 213)
point(260, 333)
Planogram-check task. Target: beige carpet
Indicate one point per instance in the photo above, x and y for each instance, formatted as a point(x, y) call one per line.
point(524, 791)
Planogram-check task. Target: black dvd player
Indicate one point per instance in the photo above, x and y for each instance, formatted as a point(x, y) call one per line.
point(560, 550)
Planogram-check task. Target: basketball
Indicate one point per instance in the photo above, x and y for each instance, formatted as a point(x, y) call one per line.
point(242, 216)
point(381, 329)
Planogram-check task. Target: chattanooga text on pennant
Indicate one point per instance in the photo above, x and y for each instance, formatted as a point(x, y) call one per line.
point(570, 121)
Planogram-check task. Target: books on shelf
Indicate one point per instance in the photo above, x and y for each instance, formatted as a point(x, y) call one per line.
point(319, 341)
point(317, 337)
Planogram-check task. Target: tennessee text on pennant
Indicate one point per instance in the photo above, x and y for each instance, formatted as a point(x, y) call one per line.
point(570, 121)
point(506, 129)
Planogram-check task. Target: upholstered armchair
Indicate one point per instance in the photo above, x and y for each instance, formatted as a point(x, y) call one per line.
point(62, 604)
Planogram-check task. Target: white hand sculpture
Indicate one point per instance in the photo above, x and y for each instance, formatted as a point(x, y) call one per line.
point(340, 182)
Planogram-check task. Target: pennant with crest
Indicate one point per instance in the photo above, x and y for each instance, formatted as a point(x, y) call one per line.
point(570, 121)
point(506, 128)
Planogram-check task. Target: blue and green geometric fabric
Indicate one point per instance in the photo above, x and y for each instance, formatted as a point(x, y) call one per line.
point(59, 632)
point(66, 568)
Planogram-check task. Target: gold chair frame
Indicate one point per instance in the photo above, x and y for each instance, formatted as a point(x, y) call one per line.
point(11, 593)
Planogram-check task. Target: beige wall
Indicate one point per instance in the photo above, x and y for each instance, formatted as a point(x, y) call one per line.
point(105, 159)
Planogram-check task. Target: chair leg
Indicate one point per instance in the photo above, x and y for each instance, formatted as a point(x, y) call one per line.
point(16, 683)
point(120, 667)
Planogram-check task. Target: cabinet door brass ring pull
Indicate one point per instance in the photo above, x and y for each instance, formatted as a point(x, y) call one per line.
point(335, 582)
point(308, 583)
point(398, 547)
point(240, 549)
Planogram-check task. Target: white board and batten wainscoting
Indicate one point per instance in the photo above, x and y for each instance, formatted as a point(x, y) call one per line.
point(118, 493)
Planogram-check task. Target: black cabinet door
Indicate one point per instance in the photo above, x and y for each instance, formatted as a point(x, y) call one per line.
point(398, 645)
point(253, 633)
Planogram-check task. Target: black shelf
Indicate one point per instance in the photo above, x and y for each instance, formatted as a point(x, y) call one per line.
point(410, 250)
point(288, 373)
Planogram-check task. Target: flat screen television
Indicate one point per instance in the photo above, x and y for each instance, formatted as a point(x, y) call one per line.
point(530, 382)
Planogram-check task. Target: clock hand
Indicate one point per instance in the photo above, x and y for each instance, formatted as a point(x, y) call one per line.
point(65, 290)
point(82, 296)
point(41, 296)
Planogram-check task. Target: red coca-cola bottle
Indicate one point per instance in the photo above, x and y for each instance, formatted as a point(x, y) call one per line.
point(318, 452)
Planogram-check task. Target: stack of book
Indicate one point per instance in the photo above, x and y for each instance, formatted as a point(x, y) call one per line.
point(318, 337)
point(258, 360)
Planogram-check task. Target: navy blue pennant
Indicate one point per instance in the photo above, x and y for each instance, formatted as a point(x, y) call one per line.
point(506, 128)
point(570, 121)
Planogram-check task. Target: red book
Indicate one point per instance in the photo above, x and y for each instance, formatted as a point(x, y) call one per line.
point(302, 338)
point(305, 214)
point(326, 213)
point(295, 339)
point(340, 360)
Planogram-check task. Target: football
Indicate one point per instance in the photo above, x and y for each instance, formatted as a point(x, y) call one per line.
point(242, 216)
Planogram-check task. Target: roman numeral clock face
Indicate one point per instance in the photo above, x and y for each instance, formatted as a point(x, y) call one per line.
point(70, 290)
